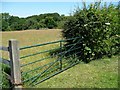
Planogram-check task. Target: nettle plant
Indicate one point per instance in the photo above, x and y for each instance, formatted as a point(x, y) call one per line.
point(98, 29)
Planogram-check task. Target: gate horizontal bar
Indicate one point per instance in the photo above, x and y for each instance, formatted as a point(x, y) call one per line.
point(38, 53)
point(4, 48)
point(26, 47)
point(5, 61)
point(36, 61)
point(38, 45)
point(36, 68)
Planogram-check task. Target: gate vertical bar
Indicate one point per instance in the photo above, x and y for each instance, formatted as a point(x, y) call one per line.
point(14, 63)
point(60, 55)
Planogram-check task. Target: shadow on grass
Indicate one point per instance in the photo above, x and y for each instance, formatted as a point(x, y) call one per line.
point(80, 54)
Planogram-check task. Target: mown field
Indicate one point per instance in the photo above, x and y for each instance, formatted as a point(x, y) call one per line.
point(102, 73)
point(30, 37)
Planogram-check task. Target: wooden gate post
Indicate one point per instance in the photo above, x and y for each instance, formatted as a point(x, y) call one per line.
point(14, 63)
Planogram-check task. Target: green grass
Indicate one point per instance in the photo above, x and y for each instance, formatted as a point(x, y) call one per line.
point(4, 78)
point(99, 73)
point(102, 73)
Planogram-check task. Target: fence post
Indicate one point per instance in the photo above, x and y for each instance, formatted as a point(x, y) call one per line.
point(14, 63)
point(60, 55)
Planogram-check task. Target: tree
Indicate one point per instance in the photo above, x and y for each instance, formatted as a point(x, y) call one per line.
point(4, 25)
point(5, 16)
point(50, 23)
point(5, 21)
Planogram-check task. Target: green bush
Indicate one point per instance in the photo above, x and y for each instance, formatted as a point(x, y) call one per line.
point(98, 29)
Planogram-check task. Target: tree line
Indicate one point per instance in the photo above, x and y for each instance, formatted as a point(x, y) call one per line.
point(48, 20)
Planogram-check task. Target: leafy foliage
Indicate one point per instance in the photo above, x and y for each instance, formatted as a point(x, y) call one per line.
point(49, 20)
point(98, 28)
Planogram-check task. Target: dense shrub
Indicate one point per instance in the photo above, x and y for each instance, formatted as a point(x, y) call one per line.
point(98, 29)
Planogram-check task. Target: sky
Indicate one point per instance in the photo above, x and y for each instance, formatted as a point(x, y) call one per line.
point(25, 9)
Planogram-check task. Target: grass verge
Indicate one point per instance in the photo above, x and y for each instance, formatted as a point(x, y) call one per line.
point(101, 73)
